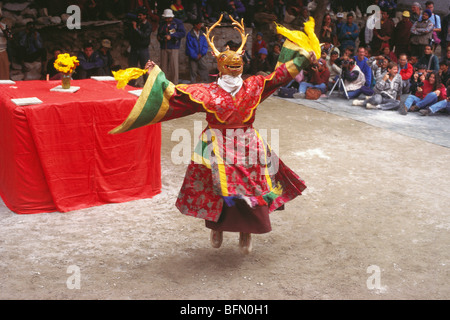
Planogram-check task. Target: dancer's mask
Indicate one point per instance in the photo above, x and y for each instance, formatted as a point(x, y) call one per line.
point(229, 62)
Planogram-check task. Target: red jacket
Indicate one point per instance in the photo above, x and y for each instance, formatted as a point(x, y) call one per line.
point(406, 73)
point(427, 88)
point(320, 77)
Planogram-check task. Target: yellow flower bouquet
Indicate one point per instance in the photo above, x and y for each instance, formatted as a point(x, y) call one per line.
point(66, 64)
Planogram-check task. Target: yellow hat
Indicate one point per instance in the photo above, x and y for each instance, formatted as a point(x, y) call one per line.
point(406, 14)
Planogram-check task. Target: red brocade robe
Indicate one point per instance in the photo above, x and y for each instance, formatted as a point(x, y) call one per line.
point(231, 160)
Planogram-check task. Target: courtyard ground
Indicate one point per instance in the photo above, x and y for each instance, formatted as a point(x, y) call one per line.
point(373, 223)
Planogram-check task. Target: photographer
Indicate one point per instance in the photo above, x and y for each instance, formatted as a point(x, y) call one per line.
point(31, 47)
point(379, 66)
point(354, 79)
point(417, 79)
point(318, 78)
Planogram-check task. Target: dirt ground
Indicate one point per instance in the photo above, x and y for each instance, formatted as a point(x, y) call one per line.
point(373, 224)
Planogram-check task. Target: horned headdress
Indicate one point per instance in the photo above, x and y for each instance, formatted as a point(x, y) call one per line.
point(229, 62)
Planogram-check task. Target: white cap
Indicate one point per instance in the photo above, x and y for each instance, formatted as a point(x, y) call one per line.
point(167, 13)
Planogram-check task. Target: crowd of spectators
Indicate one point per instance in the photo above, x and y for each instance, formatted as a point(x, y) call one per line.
point(379, 63)
point(382, 64)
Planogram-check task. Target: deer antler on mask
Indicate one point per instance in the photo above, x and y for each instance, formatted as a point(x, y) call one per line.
point(229, 62)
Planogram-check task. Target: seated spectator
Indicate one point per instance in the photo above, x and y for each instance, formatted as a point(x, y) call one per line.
point(108, 62)
point(362, 62)
point(386, 51)
point(444, 104)
point(348, 34)
point(274, 55)
point(421, 33)
point(303, 16)
point(235, 9)
point(429, 59)
point(379, 66)
point(446, 58)
point(261, 64)
point(52, 73)
point(417, 79)
point(431, 92)
point(345, 55)
point(327, 48)
point(328, 31)
point(406, 71)
point(90, 62)
point(335, 70)
point(387, 91)
point(258, 44)
point(354, 79)
point(444, 72)
point(31, 46)
point(318, 75)
point(413, 60)
point(178, 10)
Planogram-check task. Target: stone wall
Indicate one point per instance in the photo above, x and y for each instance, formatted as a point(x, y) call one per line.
point(71, 41)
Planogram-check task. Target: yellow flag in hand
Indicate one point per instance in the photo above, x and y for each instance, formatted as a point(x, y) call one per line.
point(124, 76)
point(307, 40)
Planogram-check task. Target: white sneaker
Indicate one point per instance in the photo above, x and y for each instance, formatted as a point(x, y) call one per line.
point(299, 95)
point(357, 102)
point(372, 106)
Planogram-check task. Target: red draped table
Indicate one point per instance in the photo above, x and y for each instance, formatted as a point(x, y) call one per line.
point(58, 155)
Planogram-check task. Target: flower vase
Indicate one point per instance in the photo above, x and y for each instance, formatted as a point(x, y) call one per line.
point(65, 81)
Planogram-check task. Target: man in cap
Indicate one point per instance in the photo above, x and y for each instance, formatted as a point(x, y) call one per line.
point(170, 32)
point(402, 34)
point(105, 54)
